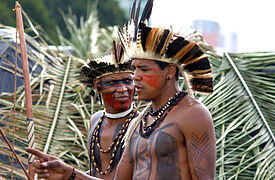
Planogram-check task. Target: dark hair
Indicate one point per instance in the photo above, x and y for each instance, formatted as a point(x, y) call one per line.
point(162, 65)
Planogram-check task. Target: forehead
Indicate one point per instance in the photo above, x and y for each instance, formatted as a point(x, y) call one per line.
point(117, 76)
point(144, 62)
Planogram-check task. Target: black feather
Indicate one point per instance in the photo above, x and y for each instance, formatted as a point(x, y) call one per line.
point(202, 84)
point(162, 41)
point(201, 64)
point(119, 52)
point(121, 37)
point(190, 54)
point(115, 52)
point(133, 10)
point(147, 11)
point(136, 20)
point(175, 46)
point(195, 55)
point(145, 30)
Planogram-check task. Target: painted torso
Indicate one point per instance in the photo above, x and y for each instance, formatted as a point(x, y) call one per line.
point(161, 156)
point(181, 147)
point(102, 159)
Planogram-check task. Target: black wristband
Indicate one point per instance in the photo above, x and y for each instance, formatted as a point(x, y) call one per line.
point(72, 175)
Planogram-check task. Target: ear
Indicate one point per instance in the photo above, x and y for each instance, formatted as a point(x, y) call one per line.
point(96, 82)
point(171, 70)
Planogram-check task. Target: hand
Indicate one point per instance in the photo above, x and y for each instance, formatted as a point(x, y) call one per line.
point(49, 167)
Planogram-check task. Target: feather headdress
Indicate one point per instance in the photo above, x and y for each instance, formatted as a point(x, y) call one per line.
point(143, 42)
point(114, 62)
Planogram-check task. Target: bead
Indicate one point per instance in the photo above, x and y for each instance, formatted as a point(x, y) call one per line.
point(168, 106)
point(116, 142)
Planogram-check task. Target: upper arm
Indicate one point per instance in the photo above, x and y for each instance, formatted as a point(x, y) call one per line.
point(200, 142)
point(94, 119)
point(124, 169)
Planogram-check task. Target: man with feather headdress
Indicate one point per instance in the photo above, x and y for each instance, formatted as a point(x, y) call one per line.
point(173, 138)
point(111, 77)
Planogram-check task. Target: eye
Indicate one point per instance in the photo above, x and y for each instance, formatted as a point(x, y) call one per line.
point(129, 80)
point(110, 82)
point(144, 69)
point(133, 68)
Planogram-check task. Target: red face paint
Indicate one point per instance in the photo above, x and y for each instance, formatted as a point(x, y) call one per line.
point(118, 104)
point(152, 80)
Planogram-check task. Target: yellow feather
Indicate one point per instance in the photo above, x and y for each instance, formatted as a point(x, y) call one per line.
point(151, 39)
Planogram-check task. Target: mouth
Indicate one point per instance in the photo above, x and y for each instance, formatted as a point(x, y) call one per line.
point(123, 98)
point(138, 88)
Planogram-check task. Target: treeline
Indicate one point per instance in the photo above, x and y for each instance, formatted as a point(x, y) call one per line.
point(47, 13)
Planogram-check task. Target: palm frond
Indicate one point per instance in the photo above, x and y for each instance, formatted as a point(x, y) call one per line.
point(87, 40)
point(61, 107)
point(242, 107)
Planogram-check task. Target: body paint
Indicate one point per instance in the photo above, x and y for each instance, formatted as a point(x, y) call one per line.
point(116, 83)
point(110, 98)
point(109, 93)
point(152, 80)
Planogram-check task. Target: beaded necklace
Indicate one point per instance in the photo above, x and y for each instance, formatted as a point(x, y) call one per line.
point(95, 141)
point(148, 129)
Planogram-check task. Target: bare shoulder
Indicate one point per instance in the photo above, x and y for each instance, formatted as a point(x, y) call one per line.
point(95, 117)
point(197, 127)
point(192, 114)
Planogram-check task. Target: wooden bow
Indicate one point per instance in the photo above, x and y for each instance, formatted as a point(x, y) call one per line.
point(28, 95)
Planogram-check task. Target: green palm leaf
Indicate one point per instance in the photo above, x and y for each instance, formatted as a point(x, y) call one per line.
point(61, 116)
point(61, 106)
point(87, 40)
point(242, 107)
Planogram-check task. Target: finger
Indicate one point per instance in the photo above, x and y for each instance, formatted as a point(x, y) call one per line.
point(38, 164)
point(36, 152)
point(40, 171)
point(50, 164)
point(44, 176)
point(46, 165)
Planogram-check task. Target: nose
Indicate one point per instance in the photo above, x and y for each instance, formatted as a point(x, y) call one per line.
point(136, 76)
point(122, 88)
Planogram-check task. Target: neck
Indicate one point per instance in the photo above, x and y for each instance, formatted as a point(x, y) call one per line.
point(118, 115)
point(164, 97)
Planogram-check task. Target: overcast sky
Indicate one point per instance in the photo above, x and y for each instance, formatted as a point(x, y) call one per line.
point(252, 20)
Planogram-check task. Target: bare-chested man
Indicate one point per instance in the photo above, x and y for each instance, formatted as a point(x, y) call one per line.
point(111, 76)
point(173, 138)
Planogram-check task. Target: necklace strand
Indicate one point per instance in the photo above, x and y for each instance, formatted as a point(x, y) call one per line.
point(114, 146)
point(148, 129)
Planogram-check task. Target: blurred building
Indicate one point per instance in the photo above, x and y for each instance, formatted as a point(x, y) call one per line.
point(212, 33)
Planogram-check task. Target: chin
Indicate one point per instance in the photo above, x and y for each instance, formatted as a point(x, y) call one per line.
point(122, 106)
point(143, 98)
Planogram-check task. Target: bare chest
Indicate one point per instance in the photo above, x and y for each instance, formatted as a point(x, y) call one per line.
point(163, 151)
point(164, 141)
